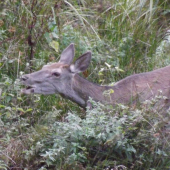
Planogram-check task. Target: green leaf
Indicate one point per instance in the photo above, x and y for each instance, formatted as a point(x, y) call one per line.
point(2, 106)
point(21, 109)
point(54, 45)
point(19, 98)
point(28, 110)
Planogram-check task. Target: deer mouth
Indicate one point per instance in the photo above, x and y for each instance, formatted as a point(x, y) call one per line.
point(28, 90)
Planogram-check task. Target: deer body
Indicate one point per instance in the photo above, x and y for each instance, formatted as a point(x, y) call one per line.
point(63, 78)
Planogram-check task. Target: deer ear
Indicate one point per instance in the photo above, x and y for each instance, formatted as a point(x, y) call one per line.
point(82, 63)
point(67, 55)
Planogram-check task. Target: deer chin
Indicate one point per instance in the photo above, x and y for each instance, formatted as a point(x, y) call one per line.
point(28, 90)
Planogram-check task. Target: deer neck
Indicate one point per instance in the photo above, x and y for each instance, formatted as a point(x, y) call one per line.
point(83, 89)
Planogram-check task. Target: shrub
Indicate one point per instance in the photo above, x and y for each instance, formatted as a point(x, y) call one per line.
point(122, 137)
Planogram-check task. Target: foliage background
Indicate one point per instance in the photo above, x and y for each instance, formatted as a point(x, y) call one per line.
point(47, 132)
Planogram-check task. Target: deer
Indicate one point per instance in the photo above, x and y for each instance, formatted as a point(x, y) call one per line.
point(63, 78)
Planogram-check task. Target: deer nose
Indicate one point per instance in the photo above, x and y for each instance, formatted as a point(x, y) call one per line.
point(24, 78)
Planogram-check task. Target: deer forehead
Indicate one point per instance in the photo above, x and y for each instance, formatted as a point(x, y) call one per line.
point(56, 66)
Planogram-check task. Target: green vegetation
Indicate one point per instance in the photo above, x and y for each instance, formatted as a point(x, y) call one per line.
point(48, 132)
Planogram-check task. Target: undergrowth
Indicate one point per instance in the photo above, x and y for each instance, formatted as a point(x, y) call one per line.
point(122, 138)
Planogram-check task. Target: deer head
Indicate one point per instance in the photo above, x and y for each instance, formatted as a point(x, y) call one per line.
point(57, 77)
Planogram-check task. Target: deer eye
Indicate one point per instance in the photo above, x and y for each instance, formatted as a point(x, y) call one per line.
point(56, 74)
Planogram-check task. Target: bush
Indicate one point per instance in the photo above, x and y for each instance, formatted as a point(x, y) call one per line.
point(122, 138)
